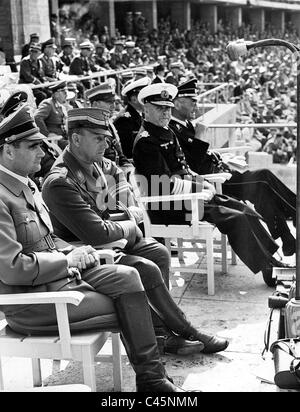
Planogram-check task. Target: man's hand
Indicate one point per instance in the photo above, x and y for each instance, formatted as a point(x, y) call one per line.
point(208, 190)
point(83, 257)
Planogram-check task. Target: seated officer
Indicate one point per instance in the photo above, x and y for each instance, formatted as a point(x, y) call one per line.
point(33, 260)
point(82, 192)
point(274, 201)
point(156, 152)
point(129, 120)
point(51, 115)
point(103, 98)
point(50, 149)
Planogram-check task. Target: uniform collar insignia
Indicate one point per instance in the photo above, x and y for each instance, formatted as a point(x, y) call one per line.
point(144, 134)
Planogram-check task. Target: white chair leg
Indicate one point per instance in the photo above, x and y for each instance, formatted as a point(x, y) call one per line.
point(88, 366)
point(36, 372)
point(168, 244)
point(1, 376)
point(180, 246)
point(233, 257)
point(224, 253)
point(210, 265)
point(117, 364)
point(55, 366)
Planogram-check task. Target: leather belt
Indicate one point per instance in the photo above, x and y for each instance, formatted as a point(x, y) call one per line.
point(46, 243)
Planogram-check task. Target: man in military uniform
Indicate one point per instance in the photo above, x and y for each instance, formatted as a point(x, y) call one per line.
point(82, 66)
point(103, 98)
point(34, 38)
point(81, 193)
point(51, 115)
point(34, 260)
point(31, 71)
point(157, 153)
point(274, 201)
point(129, 120)
point(49, 61)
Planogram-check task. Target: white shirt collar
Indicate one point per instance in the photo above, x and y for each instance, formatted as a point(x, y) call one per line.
point(15, 175)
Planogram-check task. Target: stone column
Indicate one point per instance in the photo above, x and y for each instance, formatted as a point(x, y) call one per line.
point(209, 14)
point(295, 19)
point(236, 16)
point(181, 12)
point(257, 18)
point(278, 19)
point(20, 18)
point(104, 10)
point(149, 11)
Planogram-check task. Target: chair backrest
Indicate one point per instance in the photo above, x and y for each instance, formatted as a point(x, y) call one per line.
point(188, 230)
point(138, 193)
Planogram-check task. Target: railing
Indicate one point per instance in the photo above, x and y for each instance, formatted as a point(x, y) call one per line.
point(215, 90)
point(102, 74)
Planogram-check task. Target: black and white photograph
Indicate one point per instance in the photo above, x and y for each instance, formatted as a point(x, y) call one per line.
point(149, 199)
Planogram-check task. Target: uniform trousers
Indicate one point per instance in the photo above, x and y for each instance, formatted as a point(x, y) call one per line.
point(101, 285)
point(273, 200)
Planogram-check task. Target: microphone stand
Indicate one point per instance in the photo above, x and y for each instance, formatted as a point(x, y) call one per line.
point(239, 48)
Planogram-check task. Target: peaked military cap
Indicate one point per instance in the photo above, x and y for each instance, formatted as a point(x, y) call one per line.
point(135, 86)
point(90, 118)
point(86, 45)
point(159, 94)
point(130, 44)
point(140, 72)
point(35, 47)
point(188, 89)
point(32, 35)
point(103, 92)
point(49, 42)
point(176, 65)
point(62, 85)
point(13, 102)
point(19, 125)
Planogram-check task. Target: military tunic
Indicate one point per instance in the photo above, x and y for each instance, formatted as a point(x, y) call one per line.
point(128, 123)
point(157, 152)
point(274, 201)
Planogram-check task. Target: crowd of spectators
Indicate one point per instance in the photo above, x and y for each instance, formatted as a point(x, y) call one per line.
point(262, 84)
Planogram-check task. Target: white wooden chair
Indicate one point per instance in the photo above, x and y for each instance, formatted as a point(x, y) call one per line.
point(83, 347)
point(197, 231)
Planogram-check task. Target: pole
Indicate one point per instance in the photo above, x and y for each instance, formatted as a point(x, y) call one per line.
point(239, 48)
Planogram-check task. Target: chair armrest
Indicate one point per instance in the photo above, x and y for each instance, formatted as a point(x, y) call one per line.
point(42, 298)
point(60, 299)
point(117, 244)
point(243, 148)
point(217, 177)
point(168, 198)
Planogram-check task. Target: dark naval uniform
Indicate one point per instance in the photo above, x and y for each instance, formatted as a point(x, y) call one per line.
point(128, 124)
point(274, 201)
point(114, 150)
point(157, 152)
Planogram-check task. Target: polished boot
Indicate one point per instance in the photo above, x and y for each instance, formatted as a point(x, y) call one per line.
point(139, 339)
point(288, 244)
point(174, 319)
point(267, 271)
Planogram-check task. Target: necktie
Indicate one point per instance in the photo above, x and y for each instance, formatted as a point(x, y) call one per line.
point(31, 187)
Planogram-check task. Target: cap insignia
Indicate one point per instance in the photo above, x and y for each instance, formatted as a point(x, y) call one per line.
point(164, 94)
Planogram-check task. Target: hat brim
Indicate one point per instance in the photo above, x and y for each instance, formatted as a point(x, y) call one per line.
point(162, 103)
point(35, 136)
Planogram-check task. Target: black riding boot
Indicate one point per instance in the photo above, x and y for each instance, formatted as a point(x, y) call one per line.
point(140, 343)
point(162, 303)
